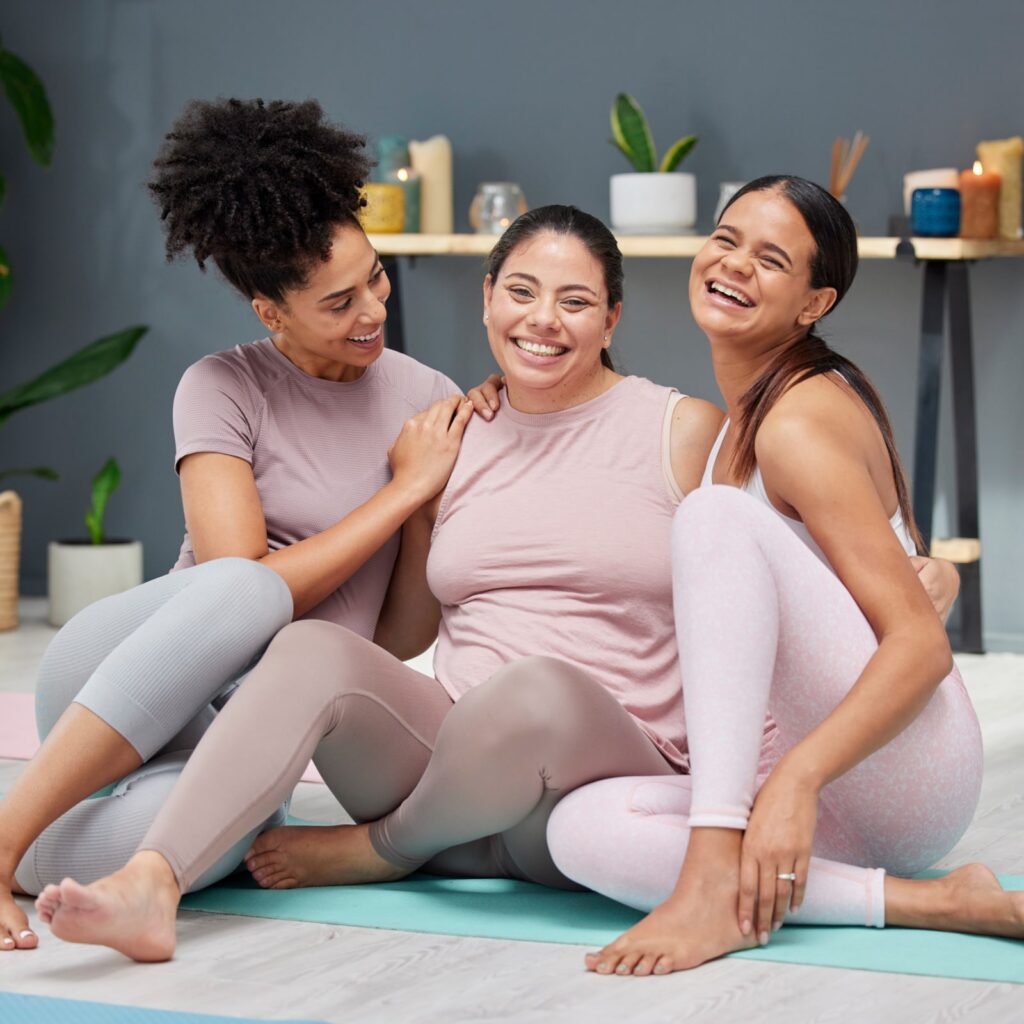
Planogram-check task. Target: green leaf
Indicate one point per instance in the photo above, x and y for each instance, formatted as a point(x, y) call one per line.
point(84, 367)
point(631, 132)
point(5, 278)
point(28, 97)
point(104, 484)
point(44, 472)
point(677, 152)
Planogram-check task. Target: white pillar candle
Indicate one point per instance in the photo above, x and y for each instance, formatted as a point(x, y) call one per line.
point(942, 177)
point(432, 159)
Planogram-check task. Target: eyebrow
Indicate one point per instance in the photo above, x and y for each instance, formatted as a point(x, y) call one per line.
point(348, 291)
point(564, 288)
point(770, 246)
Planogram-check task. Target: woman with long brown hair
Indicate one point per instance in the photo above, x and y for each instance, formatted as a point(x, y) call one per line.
point(795, 601)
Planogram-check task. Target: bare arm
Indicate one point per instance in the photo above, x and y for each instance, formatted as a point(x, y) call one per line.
point(225, 516)
point(695, 425)
point(408, 621)
point(832, 490)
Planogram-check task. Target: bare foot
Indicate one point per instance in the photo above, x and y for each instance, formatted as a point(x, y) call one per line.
point(293, 856)
point(14, 930)
point(969, 899)
point(132, 910)
point(696, 924)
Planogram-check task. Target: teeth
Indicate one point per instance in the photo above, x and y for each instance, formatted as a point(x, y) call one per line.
point(739, 297)
point(535, 348)
point(366, 337)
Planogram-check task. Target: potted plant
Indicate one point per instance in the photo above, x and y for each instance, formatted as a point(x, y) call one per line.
point(83, 571)
point(657, 199)
point(26, 94)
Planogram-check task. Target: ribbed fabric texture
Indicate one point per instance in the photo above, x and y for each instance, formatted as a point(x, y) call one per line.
point(318, 448)
point(157, 654)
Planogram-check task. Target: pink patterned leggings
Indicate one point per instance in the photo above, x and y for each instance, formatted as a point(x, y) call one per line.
point(766, 629)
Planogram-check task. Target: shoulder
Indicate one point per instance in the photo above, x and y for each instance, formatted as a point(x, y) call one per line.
point(695, 425)
point(243, 369)
point(419, 385)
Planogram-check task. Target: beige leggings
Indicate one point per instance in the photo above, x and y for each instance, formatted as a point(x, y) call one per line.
point(462, 788)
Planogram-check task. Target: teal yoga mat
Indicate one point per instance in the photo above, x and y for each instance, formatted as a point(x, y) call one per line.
point(19, 1009)
point(504, 909)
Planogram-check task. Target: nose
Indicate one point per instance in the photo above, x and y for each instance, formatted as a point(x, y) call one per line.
point(544, 315)
point(736, 260)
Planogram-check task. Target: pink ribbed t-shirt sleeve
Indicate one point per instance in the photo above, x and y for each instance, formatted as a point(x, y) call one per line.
point(215, 410)
point(444, 388)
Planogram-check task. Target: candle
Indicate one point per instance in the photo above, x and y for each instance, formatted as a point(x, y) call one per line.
point(409, 182)
point(979, 203)
point(433, 160)
point(384, 211)
point(1004, 157)
point(942, 177)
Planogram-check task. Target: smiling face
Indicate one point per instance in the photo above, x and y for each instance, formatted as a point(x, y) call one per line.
point(332, 327)
point(751, 281)
point(548, 321)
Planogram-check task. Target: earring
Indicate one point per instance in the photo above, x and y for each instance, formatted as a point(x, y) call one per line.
point(606, 337)
point(487, 316)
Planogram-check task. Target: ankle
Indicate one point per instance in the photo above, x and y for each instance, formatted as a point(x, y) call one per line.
point(155, 870)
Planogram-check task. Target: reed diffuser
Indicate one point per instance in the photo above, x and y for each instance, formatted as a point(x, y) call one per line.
point(846, 154)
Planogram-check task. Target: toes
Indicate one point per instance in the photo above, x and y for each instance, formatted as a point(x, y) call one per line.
point(6, 944)
point(284, 882)
point(627, 963)
point(646, 965)
point(664, 965)
point(262, 860)
point(26, 939)
point(264, 843)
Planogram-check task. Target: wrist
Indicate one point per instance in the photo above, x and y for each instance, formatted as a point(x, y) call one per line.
point(409, 494)
point(801, 772)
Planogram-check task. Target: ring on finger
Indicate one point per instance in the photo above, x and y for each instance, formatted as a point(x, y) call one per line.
point(786, 876)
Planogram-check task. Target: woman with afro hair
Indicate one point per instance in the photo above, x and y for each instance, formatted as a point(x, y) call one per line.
point(301, 456)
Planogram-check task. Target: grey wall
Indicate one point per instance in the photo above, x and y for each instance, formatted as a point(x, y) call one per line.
point(523, 92)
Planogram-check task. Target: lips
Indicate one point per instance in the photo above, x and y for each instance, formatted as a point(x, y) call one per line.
point(365, 340)
point(729, 293)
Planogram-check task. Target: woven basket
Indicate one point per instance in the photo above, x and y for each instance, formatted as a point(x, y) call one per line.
point(10, 550)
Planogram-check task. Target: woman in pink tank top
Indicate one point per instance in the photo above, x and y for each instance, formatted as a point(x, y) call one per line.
point(795, 599)
point(293, 506)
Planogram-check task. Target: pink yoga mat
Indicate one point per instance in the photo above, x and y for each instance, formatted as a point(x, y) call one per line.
point(19, 740)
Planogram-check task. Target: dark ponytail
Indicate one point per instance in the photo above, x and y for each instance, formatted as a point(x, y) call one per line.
point(834, 265)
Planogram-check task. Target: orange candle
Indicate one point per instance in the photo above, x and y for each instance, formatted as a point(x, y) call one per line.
point(979, 203)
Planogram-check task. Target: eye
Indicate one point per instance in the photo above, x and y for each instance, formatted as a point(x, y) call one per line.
point(770, 261)
point(377, 274)
point(576, 303)
point(520, 292)
point(344, 306)
point(725, 239)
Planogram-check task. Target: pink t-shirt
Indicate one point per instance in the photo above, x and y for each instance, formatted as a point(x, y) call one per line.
point(553, 538)
point(318, 449)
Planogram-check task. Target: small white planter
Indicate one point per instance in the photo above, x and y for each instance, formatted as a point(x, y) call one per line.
point(81, 572)
point(654, 204)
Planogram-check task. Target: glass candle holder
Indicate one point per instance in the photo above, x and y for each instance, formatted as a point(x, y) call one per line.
point(495, 205)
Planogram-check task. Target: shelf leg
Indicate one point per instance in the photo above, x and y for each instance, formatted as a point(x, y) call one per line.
point(394, 331)
point(929, 387)
point(965, 432)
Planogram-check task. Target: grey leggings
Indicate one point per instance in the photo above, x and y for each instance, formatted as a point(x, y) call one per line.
point(461, 789)
point(153, 663)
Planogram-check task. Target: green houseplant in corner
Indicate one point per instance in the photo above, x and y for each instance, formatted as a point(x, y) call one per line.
point(83, 571)
point(655, 199)
point(28, 98)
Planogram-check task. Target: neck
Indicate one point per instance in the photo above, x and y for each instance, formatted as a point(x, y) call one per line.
point(738, 364)
point(314, 365)
point(554, 399)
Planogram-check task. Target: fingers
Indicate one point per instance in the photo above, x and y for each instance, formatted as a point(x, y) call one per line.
point(802, 869)
point(748, 892)
point(461, 418)
point(767, 883)
point(783, 892)
point(481, 402)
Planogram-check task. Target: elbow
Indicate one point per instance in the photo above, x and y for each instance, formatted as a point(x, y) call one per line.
point(936, 652)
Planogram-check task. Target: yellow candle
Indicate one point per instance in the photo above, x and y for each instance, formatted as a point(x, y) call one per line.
point(433, 160)
point(979, 203)
point(1004, 157)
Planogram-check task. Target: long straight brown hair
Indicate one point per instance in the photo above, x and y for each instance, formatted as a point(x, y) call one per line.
point(833, 265)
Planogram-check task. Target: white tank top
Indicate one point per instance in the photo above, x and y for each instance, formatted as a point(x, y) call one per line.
point(756, 489)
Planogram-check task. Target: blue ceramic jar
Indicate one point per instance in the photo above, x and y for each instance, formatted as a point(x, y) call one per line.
point(935, 212)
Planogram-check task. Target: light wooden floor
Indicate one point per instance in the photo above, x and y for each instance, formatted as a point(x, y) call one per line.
point(280, 969)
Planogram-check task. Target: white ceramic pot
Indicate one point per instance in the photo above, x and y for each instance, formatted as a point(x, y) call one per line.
point(654, 204)
point(81, 572)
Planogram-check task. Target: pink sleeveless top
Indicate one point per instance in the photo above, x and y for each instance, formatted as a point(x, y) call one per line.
point(553, 538)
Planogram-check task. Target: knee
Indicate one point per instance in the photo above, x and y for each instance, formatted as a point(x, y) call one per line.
point(528, 701)
point(574, 833)
point(317, 655)
point(712, 516)
point(250, 587)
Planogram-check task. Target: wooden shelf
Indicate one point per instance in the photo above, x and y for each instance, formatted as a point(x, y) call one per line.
point(687, 246)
